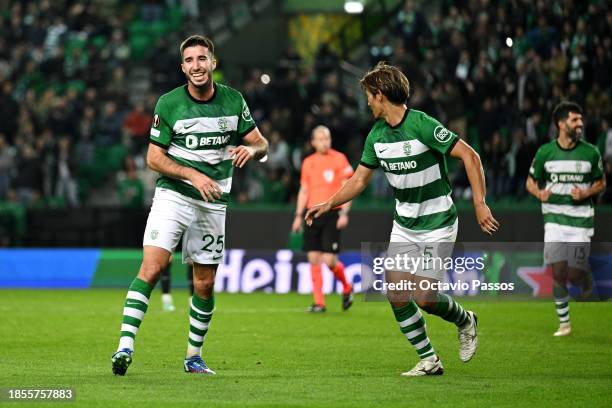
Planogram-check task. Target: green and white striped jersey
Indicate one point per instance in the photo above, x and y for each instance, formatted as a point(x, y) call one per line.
point(412, 155)
point(559, 170)
point(199, 135)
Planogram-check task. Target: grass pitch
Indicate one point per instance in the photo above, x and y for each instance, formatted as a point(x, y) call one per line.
point(268, 352)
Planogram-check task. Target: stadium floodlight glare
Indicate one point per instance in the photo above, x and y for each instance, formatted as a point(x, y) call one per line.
point(353, 6)
point(265, 79)
point(509, 41)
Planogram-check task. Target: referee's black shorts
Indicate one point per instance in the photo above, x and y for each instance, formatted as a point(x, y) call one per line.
point(323, 235)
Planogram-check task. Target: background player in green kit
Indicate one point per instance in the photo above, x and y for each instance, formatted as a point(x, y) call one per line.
point(411, 147)
point(200, 132)
point(570, 171)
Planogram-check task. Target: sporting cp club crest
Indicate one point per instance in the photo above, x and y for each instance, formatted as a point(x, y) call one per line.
point(328, 175)
point(154, 234)
point(407, 148)
point(578, 167)
point(223, 124)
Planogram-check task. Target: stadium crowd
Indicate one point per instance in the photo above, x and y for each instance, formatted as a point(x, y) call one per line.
point(491, 71)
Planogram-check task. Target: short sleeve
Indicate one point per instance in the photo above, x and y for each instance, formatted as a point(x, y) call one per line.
point(536, 171)
point(596, 166)
point(161, 132)
point(368, 157)
point(246, 123)
point(435, 136)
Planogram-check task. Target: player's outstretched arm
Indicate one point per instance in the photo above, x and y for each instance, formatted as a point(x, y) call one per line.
point(157, 160)
point(351, 189)
point(475, 173)
point(255, 147)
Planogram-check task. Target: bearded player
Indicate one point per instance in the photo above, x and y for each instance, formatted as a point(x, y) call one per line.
point(570, 172)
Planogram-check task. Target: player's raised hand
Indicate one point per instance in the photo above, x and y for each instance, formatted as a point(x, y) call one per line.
point(241, 155)
point(544, 195)
point(209, 190)
point(485, 219)
point(316, 211)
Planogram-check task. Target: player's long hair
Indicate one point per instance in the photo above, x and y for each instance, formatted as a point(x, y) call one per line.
point(389, 80)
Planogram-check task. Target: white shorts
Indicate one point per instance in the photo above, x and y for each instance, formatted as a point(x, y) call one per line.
point(435, 245)
point(567, 244)
point(576, 254)
point(202, 227)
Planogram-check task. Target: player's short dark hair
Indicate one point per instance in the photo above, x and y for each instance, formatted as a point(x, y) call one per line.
point(563, 109)
point(389, 80)
point(196, 40)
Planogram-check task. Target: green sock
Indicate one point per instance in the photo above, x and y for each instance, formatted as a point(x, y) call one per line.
point(412, 324)
point(200, 315)
point(450, 310)
point(562, 308)
point(561, 296)
point(136, 304)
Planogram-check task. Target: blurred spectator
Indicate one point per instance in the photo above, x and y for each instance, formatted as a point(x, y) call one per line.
point(411, 23)
point(28, 183)
point(130, 187)
point(7, 163)
point(278, 152)
point(136, 125)
point(65, 177)
point(9, 109)
point(487, 120)
point(496, 165)
point(67, 68)
point(108, 126)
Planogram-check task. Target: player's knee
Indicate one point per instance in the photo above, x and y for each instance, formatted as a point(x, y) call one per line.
point(331, 263)
point(398, 297)
point(575, 277)
point(427, 305)
point(314, 261)
point(560, 275)
point(150, 272)
point(204, 285)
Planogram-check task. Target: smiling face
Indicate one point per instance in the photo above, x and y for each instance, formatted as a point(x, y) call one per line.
point(198, 65)
point(573, 125)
